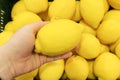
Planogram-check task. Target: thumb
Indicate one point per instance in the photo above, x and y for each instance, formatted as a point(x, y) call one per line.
point(37, 25)
point(34, 27)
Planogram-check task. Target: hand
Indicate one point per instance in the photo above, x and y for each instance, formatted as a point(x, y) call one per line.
point(17, 56)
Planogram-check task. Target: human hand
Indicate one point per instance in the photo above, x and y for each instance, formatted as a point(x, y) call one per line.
point(17, 56)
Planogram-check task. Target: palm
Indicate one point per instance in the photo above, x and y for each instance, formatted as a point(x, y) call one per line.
point(20, 51)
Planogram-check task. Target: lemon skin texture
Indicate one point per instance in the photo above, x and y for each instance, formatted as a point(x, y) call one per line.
point(36, 6)
point(76, 68)
point(62, 9)
point(18, 8)
point(27, 76)
point(112, 14)
point(92, 11)
point(23, 19)
point(107, 66)
point(5, 36)
point(104, 48)
point(8, 26)
point(117, 49)
point(114, 3)
point(106, 5)
point(113, 46)
point(91, 74)
point(51, 70)
point(87, 28)
point(58, 37)
point(89, 46)
point(109, 31)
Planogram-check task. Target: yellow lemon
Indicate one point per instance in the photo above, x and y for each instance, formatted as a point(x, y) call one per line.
point(117, 49)
point(28, 76)
point(76, 68)
point(92, 11)
point(112, 14)
point(113, 46)
point(18, 8)
point(106, 5)
point(87, 28)
point(44, 15)
point(109, 31)
point(91, 74)
point(107, 66)
point(115, 3)
point(62, 9)
point(23, 19)
point(36, 6)
point(58, 37)
point(51, 70)
point(89, 46)
point(77, 16)
point(104, 48)
point(9, 26)
point(5, 36)
point(27, 15)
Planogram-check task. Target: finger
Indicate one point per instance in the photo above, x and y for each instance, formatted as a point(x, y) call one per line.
point(76, 48)
point(63, 56)
point(38, 60)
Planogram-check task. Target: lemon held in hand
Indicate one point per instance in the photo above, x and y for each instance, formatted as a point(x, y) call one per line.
point(58, 37)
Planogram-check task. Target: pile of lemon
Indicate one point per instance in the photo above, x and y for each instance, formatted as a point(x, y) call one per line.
point(88, 28)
